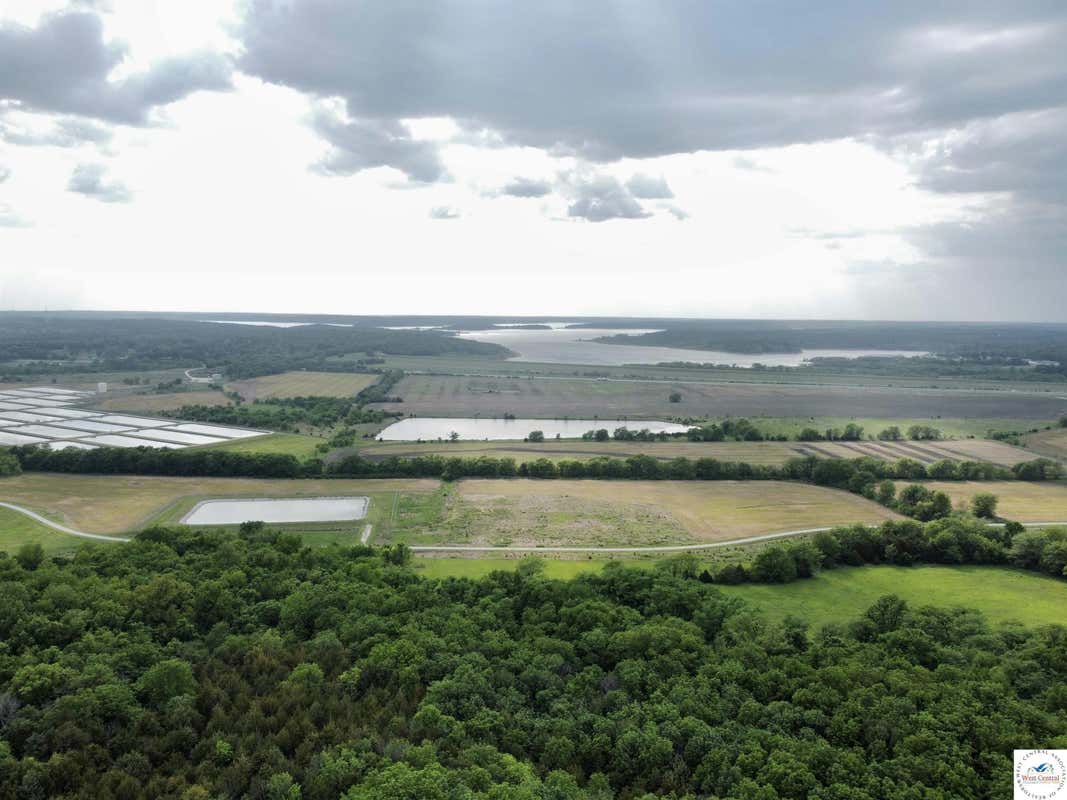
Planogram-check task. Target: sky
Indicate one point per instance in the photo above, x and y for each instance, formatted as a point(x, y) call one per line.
point(687, 158)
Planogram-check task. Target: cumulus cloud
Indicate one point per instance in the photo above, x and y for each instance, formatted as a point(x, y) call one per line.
point(647, 187)
point(527, 187)
point(676, 212)
point(598, 198)
point(359, 144)
point(9, 219)
point(444, 212)
point(63, 132)
point(65, 65)
point(91, 180)
point(5, 173)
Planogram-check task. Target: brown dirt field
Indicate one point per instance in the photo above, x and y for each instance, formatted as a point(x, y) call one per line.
point(1018, 500)
point(432, 395)
point(154, 403)
point(118, 503)
point(596, 513)
point(303, 384)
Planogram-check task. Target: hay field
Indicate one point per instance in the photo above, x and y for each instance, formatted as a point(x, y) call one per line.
point(154, 403)
point(770, 453)
point(449, 395)
point(1018, 500)
point(303, 384)
point(122, 503)
point(605, 513)
point(1051, 444)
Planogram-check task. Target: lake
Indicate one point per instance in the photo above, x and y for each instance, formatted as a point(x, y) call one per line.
point(470, 429)
point(560, 345)
point(296, 509)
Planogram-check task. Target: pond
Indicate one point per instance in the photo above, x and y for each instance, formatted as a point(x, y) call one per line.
point(470, 429)
point(560, 345)
point(265, 509)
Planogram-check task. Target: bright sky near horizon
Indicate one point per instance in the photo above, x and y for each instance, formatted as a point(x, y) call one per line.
point(684, 158)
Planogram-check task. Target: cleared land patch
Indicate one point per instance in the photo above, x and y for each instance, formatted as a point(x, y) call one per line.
point(154, 403)
point(303, 384)
point(1022, 501)
point(637, 513)
point(436, 395)
point(122, 503)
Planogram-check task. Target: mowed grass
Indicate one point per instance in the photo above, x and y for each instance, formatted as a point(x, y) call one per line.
point(155, 403)
point(303, 384)
point(840, 595)
point(459, 396)
point(1021, 501)
point(123, 503)
point(295, 444)
point(17, 529)
point(533, 513)
point(1002, 595)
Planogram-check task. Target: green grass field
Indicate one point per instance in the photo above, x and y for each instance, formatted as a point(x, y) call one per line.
point(840, 595)
point(17, 530)
point(296, 444)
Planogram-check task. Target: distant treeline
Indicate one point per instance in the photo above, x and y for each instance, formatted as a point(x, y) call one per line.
point(99, 343)
point(994, 343)
point(857, 474)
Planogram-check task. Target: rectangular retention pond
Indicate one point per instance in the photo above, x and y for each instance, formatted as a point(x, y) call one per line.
point(415, 429)
point(277, 510)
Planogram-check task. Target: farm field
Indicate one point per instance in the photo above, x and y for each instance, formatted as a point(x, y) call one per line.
point(114, 504)
point(535, 513)
point(497, 368)
point(155, 403)
point(303, 384)
point(767, 453)
point(1052, 443)
point(430, 395)
point(771, 453)
point(1021, 501)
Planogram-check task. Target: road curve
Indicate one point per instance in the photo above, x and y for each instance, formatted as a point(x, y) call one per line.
point(62, 528)
point(474, 548)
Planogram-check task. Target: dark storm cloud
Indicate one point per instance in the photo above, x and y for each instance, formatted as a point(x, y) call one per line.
point(648, 187)
point(91, 180)
point(600, 198)
point(606, 78)
point(361, 144)
point(63, 66)
point(527, 187)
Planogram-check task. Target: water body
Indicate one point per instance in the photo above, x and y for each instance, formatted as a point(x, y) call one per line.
point(561, 345)
point(303, 509)
point(469, 429)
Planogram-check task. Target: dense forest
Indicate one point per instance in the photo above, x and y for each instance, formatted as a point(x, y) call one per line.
point(198, 665)
point(37, 344)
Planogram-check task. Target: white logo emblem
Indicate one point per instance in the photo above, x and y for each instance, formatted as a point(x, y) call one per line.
point(1040, 774)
